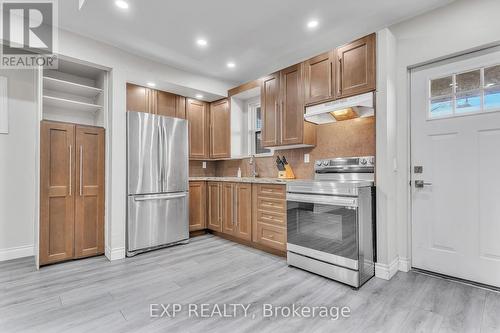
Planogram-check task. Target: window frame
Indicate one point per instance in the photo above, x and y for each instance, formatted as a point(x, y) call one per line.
point(482, 89)
point(253, 130)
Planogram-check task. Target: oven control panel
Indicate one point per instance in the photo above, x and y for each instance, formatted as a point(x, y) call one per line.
point(345, 165)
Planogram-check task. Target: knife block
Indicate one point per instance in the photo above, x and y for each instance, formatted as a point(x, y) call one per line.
point(287, 174)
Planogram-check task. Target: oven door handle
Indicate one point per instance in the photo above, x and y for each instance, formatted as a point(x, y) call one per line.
point(323, 199)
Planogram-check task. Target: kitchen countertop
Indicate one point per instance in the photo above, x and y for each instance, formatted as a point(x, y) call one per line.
point(256, 180)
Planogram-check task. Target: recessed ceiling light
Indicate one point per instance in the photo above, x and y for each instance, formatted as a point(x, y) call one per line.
point(121, 4)
point(201, 42)
point(231, 64)
point(312, 24)
point(151, 84)
point(199, 96)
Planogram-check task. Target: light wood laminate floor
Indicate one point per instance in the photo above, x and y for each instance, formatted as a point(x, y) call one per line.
point(95, 295)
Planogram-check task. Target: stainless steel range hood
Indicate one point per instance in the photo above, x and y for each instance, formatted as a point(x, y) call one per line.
point(359, 106)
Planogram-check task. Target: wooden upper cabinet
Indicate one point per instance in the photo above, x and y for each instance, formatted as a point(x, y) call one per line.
point(214, 201)
point(197, 115)
point(197, 205)
point(270, 110)
point(220, 129)
point(166, 104)
point(89, 198)
point(137, 98)
point(292, 105)
point(57, 191)
point(318, 74)
point(180, 109)
point(142, 99)
point(356, 66)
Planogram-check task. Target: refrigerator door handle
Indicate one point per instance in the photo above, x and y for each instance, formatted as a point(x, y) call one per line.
point(161, 197)
point(165, 156)
point(160, 157)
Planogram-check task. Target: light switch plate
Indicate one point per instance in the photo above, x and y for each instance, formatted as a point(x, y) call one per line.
point(204, 165)
point(306, 158)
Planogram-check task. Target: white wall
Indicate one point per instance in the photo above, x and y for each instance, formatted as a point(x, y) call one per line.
point(458, 27)
point(17, 167)
point(17, 202)
point(387, 256)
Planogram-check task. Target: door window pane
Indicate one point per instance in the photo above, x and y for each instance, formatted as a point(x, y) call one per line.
point(468, 102)
point(492, 76)
point(468, 81)
point(442, 86)
point(441, 107)
point(492, 98)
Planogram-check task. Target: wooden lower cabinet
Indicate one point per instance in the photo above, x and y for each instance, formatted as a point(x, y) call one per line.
point(243, 214)
point(228, 207)
point(197, 205)
point(214, 201)
point(269, 216)
point(253, 213)
point(71, 191)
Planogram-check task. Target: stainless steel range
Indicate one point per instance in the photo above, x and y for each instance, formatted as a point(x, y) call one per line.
point(331, 220)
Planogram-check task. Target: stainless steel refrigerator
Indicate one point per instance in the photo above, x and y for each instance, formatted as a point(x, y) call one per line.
point(158, 183)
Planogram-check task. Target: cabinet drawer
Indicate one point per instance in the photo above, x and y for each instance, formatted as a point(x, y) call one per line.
point(271, 218)
point(271, 204)
point(271, 236)
point(274, 191)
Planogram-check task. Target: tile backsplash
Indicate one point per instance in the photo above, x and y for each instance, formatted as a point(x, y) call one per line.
point(354, 137)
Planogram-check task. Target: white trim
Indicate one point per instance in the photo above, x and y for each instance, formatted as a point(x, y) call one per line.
point(386, 272)
point(17, 252)
point(115, 254)
point(404, 264)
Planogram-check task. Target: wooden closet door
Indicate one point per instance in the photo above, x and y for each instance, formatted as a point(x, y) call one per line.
point(57, 190)
point(89, 198)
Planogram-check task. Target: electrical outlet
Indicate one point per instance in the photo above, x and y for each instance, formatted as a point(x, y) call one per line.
point(306, 158)
point(204, 165)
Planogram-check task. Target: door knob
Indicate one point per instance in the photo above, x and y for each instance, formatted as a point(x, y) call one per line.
point(421, 184)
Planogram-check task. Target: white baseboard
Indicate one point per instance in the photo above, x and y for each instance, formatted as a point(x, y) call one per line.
point(17, 252)
point(115, 254)
point(386, 272)
point(404, 264)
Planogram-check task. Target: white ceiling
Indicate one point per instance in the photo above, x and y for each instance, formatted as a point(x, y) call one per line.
point(260, 36)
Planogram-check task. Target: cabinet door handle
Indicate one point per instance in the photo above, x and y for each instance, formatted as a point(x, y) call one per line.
point(281, 120)
point(340, 76)
point(70, 170)
point(81, 171)
point(236, 207)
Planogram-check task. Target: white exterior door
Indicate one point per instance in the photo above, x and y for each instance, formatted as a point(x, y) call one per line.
point(455, 126)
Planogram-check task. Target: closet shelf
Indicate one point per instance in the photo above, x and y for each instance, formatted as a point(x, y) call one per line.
point(69, 87)
point(68, 104)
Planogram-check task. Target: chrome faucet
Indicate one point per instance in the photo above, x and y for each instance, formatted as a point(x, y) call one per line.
point(253, 163)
